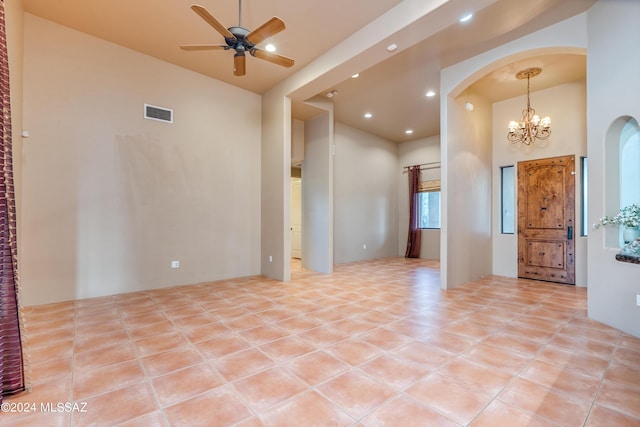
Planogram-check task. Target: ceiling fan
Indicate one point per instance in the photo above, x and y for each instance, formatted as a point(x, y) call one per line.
point(242, 40)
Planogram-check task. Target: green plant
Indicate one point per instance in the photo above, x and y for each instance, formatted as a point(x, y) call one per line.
point(628, 216)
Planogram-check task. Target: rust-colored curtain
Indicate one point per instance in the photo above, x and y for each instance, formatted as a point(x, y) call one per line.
point(11, 357)
point(413, 241)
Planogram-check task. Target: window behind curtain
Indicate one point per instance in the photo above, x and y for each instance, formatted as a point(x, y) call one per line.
point(429, 204)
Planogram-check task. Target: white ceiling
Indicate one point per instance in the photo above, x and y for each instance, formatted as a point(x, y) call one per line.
point(393, 90)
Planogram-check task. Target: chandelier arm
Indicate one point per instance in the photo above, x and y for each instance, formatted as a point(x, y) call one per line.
point(533, 130)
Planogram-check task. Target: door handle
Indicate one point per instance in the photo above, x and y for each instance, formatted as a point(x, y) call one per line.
point(570, 232)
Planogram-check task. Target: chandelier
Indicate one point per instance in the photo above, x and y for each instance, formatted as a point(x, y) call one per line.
point(531, 127)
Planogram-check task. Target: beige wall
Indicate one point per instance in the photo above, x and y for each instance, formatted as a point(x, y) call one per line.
point(365, 201)
point(110, 199)
point(275, 209)
point(466, 195)
point(612, 92)
point(566, 105)
point(426, 150)
point(297, 142)
point(318, 193)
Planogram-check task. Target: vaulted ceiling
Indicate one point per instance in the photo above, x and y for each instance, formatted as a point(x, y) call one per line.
point(393, 91)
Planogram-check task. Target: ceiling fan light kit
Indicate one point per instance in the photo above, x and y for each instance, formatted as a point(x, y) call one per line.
point(242, 40)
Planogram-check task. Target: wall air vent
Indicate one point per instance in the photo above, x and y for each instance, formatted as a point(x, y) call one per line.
point(158, 113)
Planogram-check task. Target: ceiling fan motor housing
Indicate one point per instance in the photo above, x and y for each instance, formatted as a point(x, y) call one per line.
point(239, 42)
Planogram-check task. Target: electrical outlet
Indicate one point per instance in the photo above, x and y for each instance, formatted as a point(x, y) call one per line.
point(175, 264)
point(364, 247)
point(270, 258)
point(638, 300)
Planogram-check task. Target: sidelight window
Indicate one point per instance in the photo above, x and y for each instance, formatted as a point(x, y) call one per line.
point(584, 168)
point(507, 199)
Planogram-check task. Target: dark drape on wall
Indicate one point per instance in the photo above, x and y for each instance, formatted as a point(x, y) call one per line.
point(11, 356)
point(413, 241)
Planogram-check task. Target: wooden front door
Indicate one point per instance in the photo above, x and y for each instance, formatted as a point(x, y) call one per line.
point(546, 211)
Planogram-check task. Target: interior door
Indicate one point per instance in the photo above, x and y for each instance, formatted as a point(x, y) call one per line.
point(296, 218)
point(546, 211)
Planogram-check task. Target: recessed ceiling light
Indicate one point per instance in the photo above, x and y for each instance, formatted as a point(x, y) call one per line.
point(466, 17)
point(430, 94)
point(270, 48)
point(355, 76)
point(392, 47)
point(408, 131)
point(368, 115)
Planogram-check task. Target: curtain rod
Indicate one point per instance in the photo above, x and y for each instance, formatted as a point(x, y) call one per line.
point(425, 164)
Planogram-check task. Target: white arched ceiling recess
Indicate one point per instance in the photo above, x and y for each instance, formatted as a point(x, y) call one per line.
point(513, 63)
point(466, 244)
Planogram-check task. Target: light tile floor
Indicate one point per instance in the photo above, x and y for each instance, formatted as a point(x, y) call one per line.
point(376, 343)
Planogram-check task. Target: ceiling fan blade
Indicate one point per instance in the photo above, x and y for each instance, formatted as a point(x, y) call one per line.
point(270, 28)
point(190, 47)
point(204, 14)
point(239, 65)
point(273, 58)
